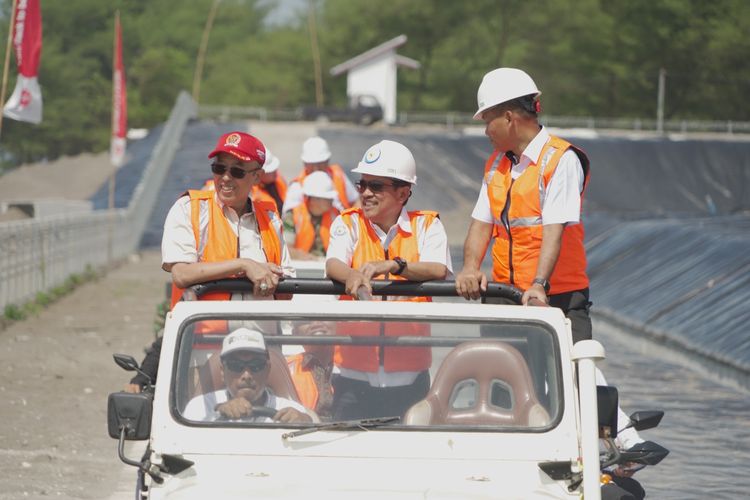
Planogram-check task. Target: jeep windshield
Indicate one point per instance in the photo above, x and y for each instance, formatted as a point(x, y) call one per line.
point(390, 368)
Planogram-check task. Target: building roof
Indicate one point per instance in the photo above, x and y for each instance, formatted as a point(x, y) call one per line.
point(375, 52)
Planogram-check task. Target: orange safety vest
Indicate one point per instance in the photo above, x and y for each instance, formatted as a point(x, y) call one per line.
point(260, 193)
point(304, 381)
point(369, 249)
point(305, 231)
point(518, 240)
point(339, 182)
point(221, 243)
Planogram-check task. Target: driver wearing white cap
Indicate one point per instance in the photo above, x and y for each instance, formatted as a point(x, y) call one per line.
point(245, 366)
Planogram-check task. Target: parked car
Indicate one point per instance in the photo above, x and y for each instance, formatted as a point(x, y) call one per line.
point(362, 109)
point(511, 411)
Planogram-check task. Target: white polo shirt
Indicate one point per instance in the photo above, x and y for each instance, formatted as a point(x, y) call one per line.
point(432, 245)
point(562, 201)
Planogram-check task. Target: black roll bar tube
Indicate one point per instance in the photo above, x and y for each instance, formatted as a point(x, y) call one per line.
point(306, 286)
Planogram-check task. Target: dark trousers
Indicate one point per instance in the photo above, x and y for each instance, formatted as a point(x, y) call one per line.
point(355, 399)
point(575, 306)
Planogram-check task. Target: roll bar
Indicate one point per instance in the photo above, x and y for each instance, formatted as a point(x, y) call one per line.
point(307, 286)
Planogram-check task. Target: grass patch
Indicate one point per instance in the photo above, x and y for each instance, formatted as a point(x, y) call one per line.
point(19, 312)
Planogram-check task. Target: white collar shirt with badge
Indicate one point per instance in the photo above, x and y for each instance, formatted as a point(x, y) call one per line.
point(179, 245)
point(432, 245)
point(562, 201)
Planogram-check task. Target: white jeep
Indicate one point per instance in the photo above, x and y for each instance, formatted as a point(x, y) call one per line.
point(511, 410)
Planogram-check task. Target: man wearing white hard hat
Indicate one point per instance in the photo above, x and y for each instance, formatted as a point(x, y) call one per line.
point(245, 366)
point(530, 202)
point(307, 226)
point(272, 185)
point(316, 156)
point(382, 240)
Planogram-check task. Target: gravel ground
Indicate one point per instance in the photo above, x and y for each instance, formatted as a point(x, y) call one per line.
point(56, 371)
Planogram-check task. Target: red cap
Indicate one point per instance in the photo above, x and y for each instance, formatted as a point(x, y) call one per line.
point(241, 145)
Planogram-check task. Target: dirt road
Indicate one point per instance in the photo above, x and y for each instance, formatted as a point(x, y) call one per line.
point(56, 371)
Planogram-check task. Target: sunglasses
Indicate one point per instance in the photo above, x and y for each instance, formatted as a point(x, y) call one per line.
point(239, 366)
point(374, 186)
point(236, 172)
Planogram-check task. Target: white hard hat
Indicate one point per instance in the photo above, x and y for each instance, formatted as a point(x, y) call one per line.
point(389, 159)
point(272, 162)
point(319, 185)
point(502, 85)
point(315, 150)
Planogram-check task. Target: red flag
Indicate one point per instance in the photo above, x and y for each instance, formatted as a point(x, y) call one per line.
point(25, 104)
point(119, 101)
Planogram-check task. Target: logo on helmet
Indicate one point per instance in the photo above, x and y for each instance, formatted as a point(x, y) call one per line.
point(372, 155)
point(233, 140)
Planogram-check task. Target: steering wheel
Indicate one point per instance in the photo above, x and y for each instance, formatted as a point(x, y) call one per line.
point(263, 411)
point(257, 411)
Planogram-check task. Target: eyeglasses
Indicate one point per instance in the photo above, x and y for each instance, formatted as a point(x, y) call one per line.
point(374, 186)
point(236, 172)
point(239, 366)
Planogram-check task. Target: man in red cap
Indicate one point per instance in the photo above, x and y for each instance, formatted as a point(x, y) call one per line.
point(210, 235)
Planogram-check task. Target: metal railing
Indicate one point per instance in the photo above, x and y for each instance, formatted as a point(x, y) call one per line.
point(453, 119)
point(38, 255)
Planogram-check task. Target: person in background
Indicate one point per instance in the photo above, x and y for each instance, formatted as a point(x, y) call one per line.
point(530, 203)
point(245, 366)
point(307, 226)
point(311, 369)
point(382, 239)
point(316, 156)
point(272, 185)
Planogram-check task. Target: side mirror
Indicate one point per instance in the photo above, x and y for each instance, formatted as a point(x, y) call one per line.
point(127, 363)
point(642, 420)
point(129, 414)
point(647, 452)
point(606, 400)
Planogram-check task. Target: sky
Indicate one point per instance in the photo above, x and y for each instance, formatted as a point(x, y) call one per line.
point(285, 10)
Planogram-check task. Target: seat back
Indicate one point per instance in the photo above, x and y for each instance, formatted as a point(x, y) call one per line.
point(483, 382)
point(208, 377)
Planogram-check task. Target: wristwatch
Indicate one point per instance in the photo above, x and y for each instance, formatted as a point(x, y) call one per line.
point(543, 282)
point(401, 266)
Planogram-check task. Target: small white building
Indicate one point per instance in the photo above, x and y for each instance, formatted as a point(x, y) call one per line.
point(374, 73)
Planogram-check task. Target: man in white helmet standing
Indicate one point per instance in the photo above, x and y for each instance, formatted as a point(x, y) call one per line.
point(383, 240)
point(307, 227)
point(530, 202)
point(316, 155)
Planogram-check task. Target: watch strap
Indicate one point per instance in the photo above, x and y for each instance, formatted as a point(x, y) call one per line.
point(401, 266)
point(543, 282)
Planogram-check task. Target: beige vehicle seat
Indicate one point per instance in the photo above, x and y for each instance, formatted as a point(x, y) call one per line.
point(463, 389)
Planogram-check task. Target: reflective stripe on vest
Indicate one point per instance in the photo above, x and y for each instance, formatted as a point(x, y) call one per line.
point(369, 249)
point(339, 182)
point(515, 253)
point(216, 241)
point(305, 231)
